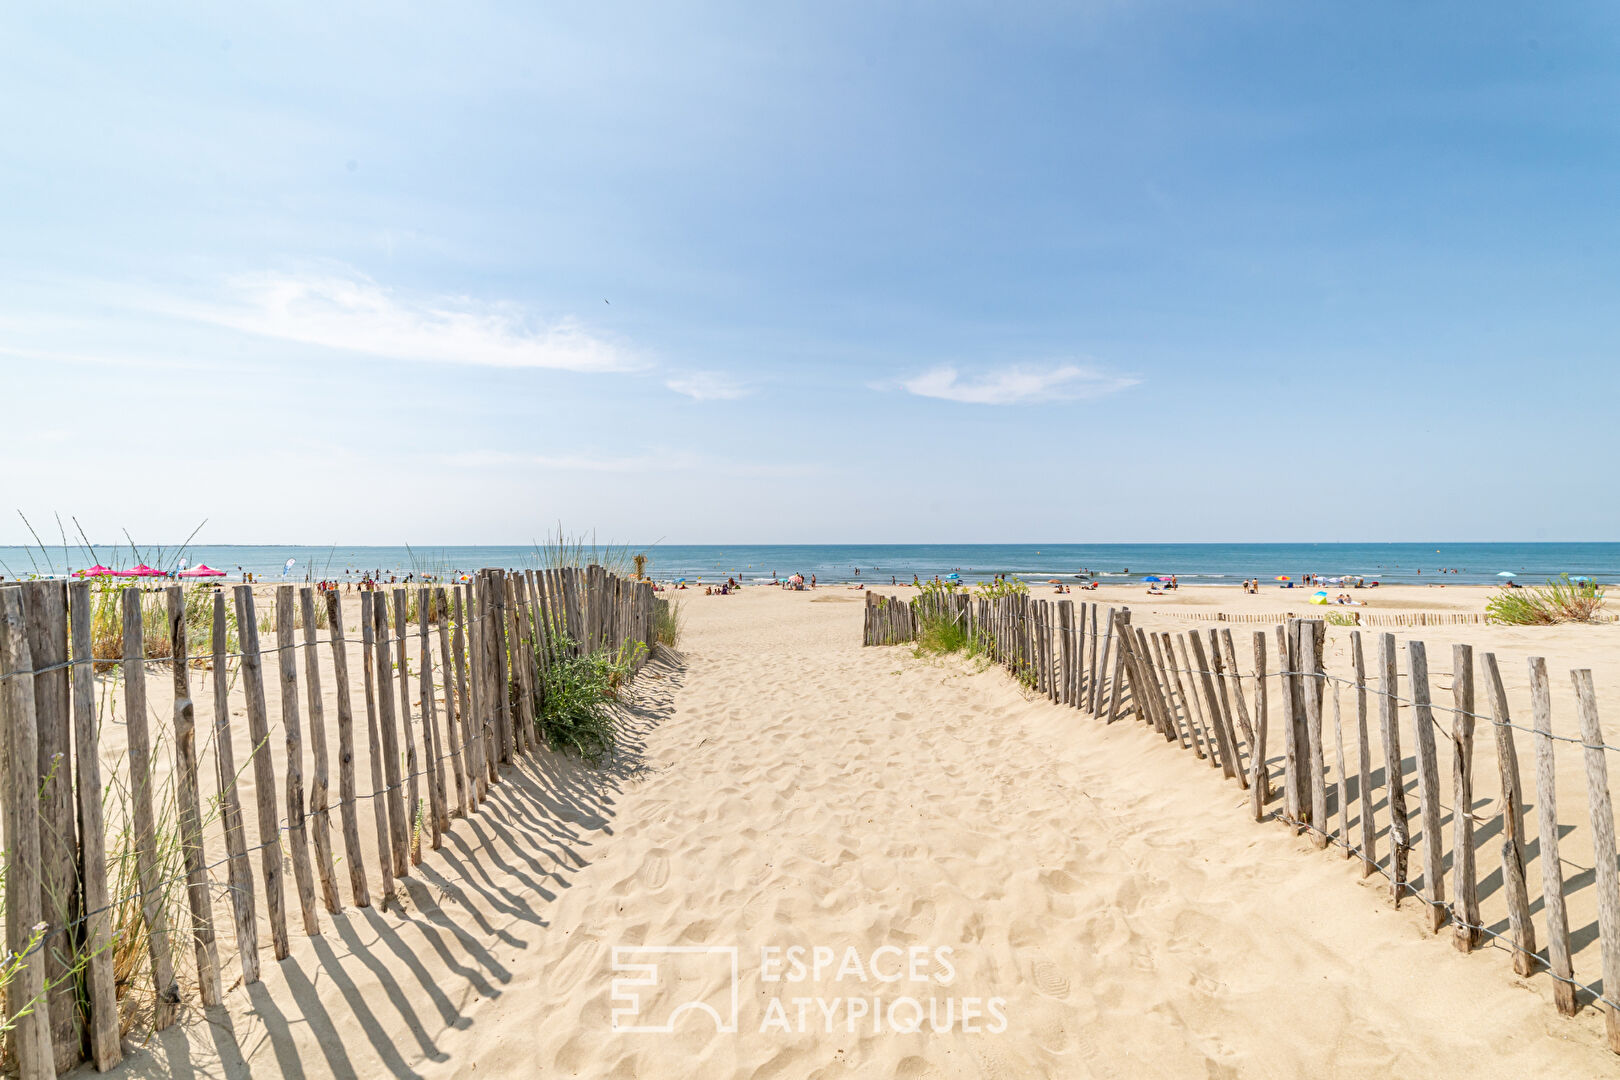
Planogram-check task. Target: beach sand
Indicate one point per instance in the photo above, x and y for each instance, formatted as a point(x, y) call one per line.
point(783, 786)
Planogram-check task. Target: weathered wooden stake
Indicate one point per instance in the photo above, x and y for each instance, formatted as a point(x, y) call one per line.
point(292, 726)
point(1552, 867)
point(190, 802)
point(147, 870)
point(320, 787)
point(31, 1037)
point(348, 805)
point(105, 1050)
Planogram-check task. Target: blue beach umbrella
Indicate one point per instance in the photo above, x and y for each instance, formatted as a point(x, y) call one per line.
point(1507, 573)
point(953, 576)
point(1580, 580)
point(1153, 577)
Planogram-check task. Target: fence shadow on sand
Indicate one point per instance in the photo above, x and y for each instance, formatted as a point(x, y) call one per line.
point(382, 990)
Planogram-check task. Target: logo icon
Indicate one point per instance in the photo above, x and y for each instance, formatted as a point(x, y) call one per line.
point(664, 982)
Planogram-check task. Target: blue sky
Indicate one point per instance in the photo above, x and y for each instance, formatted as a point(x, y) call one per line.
point(810, 273)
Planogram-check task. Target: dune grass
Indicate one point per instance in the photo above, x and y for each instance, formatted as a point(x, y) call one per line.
point(1561, 600)
point(574, 709)
point(668, 621)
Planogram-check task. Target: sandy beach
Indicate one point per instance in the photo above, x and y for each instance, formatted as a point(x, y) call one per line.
point(1104, 905)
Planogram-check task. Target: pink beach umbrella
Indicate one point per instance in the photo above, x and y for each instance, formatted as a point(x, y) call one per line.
point(95, 571)
point(140, 571)
point(202, 570)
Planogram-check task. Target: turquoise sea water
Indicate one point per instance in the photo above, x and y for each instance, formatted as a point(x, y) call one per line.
point(1203, 564)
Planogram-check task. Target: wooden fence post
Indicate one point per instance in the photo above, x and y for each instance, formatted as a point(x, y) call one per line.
point(1400, 835)
point(399, 824)
point(320, 788)
point(1223, 736)
point(413, 805)
point(1309, 661)
point(147, 870)
point(1259, 776)
point(1513, 883)
point(1601, 810)
point(437, 818)
point(1465, 882)
point(31, 1038)
point(1552, 867)
point(190, 802)
point(297, 832)
point(1434, 877)
point(1369, 828)
point(348, 805)
point(45, 613)
point(239, 872)
point(105, 1049)
point(454, 722)
point(382, 811)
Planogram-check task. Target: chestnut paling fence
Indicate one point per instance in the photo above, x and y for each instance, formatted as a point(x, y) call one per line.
point(482, 649)
point(1370, 759)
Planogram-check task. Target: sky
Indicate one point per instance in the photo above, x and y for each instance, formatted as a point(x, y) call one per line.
point(810, 273)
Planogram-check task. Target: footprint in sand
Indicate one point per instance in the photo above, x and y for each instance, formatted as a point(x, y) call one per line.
point(1050, 980)
point(655, 870)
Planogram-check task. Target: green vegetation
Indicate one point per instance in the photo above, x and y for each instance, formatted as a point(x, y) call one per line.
point(1561, 600)
point(667, 623)
point(1339, 618)
point(574, 711)
point(941, 629)
point(989, 590)
point(107, 623)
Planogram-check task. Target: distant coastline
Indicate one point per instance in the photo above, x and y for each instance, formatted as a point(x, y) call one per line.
point(1193, 564)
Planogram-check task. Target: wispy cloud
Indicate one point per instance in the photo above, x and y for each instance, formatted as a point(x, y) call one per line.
point(649, 462)
point(355, 314)
point(1017, 385)
point(708, 386)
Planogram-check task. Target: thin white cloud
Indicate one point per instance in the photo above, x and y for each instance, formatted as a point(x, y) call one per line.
point(355, 314)
point(1017, 385)
point(708, 386)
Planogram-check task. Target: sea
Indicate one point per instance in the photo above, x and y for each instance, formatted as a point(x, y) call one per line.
point(1193, 564)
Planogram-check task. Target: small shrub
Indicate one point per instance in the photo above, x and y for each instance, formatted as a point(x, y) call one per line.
point(573, 712)
point(1004, 587)
point(1560, 600)
point(1340, 618)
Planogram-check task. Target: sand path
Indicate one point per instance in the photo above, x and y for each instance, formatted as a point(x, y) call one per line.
point(807, 791)
point(785, 787)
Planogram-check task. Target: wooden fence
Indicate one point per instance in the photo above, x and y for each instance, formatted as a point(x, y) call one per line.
point(1190, 689)
point(494, 639)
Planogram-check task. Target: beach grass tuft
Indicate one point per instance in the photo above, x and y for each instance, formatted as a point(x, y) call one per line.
point(1561, 600)
point(667, 622)
point(574, 710)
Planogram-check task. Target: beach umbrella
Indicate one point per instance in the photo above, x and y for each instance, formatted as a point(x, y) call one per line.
point(95, 571)
point(1319, 597)
point(201, 570)
point(953, 576)
point(1153, 577)
point(1053, 581)
point(140, 571)
point(1507, 573)
point(1581, 580)
point(1282, 577)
